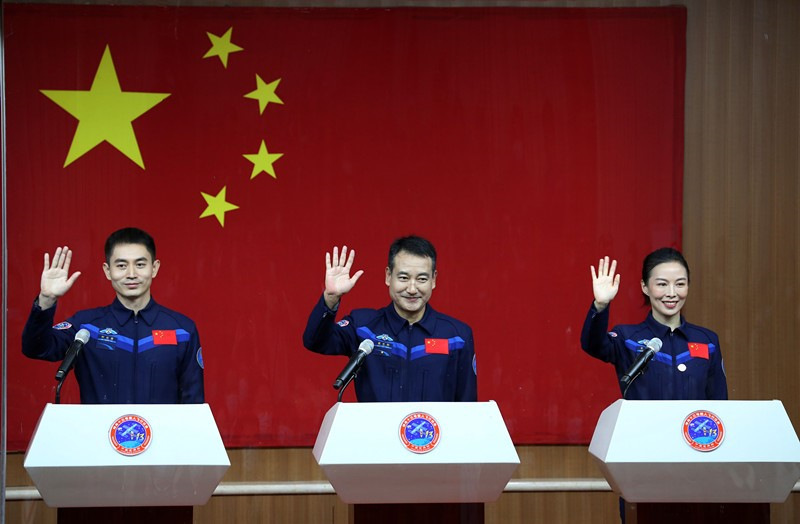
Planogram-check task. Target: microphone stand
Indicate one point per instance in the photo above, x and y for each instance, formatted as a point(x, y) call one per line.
point(347, 382)
point(640, 373)
point(61, 383)
point(58, 390)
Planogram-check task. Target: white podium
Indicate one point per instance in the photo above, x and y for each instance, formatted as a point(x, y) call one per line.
point(644, 454)
point(362, 451)
point(103, 455)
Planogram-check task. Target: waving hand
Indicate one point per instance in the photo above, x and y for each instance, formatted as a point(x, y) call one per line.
point(605, 283)
point(56, 280)
point(337, 275)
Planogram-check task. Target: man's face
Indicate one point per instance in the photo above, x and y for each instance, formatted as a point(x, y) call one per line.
point(131, 271)
point(411, 283)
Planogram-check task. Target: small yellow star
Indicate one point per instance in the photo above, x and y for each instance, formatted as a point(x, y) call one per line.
point(222, 46)
point(262, 161)
point(105, 113)
point(217, 206)
point(264, 93)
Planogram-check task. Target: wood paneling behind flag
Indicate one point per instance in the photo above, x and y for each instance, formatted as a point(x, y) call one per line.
point(525, 143)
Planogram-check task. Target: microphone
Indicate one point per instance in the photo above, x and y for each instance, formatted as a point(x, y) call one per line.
point(648, 352)
point(364, 349)
point(81, 338)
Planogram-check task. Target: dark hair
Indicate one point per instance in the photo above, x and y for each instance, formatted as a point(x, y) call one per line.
point(130, 235)
point(414, 245)
point(659, 256)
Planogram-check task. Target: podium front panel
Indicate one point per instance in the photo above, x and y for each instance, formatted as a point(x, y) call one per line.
point(360, 449)
point(74, 462)
point(643, 451)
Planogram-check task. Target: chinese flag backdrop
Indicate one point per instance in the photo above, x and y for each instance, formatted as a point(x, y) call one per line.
point(525, 143)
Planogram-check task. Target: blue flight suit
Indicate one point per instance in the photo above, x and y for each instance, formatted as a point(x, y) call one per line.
point(431, 360)
point(153, 357)
point(673, 374)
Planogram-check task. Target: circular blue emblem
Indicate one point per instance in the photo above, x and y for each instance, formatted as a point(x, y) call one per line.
point(419, 432)
point(200, 358)
point(130, 435)
point(703, 431)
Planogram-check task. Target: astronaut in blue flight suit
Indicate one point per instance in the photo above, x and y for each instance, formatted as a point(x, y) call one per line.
point(139, 351)
point(689, 364)
point(419, 354)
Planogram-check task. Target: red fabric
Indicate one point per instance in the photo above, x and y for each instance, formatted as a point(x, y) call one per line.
point(165, 337)
point(437, 346)
point(698, 350)
point(525, 143)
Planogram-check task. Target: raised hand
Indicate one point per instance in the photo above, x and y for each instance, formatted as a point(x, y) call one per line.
point(337, 275)
point(56, 280)
point(605, 283)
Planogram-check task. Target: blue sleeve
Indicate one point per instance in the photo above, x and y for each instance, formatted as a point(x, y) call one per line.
point(41, 340)
point(467, 385)
point(595, 339)
point(324, 335)
point(190, 381)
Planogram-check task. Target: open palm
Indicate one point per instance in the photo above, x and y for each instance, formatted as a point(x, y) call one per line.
point(337, 272)
point(605, 283)
point(56, 280)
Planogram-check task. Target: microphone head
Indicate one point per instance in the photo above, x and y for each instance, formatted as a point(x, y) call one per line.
point(83, 335)
point(366, 346)
point(655, 344)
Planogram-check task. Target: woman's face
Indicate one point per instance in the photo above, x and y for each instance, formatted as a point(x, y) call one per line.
point(667, 287)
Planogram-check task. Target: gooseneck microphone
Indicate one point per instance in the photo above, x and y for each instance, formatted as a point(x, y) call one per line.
point(648, 352)
point(81, 338)
point(351, 369)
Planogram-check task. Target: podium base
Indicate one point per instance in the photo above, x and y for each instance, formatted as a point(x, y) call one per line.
point(707, 513)
point(471, 513)
point(148, 514)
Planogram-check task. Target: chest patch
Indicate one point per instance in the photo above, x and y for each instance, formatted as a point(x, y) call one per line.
point(698, 350)
point(440, 346)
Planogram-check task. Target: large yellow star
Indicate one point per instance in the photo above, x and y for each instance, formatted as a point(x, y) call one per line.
point(262, 161)
point(105, 113)
point(222, 46)
point(264, 93)
point(217, 206)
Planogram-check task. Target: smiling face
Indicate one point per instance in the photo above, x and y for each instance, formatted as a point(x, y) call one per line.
point(131, 270)
point(667, 288)
point(411, 282)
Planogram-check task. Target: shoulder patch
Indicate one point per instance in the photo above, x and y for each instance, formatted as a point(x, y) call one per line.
point(612, 334)
point(343, 323)
point(62, 325)
point(200, 357)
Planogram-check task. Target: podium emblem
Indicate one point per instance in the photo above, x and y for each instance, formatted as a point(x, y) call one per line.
point(419, 432)
point(703, 431)
point(130, 435)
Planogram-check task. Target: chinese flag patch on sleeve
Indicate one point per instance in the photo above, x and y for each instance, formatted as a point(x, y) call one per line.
point(698, 350)
point(161, 337)
point(437, 345)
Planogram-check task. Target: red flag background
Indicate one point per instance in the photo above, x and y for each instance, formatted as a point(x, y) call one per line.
point(525, 143)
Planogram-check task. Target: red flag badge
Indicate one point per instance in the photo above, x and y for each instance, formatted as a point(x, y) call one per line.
point(167, 337)
point(698, 350)
point(437, 345)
